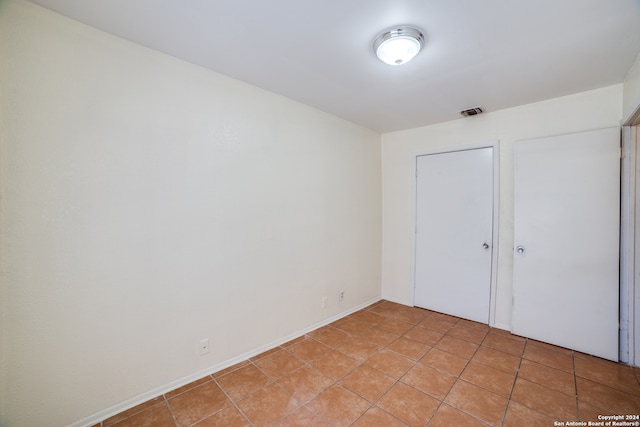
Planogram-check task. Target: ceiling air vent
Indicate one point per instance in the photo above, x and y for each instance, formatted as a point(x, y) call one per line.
point(472, 111)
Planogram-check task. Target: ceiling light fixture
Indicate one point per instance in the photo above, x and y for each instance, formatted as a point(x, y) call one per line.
point(399, 45)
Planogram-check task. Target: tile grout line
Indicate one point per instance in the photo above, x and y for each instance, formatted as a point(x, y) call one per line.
point(102, 423)
point(575, 384)
point(307, 364)
point(170, 408)
point(515, 379)
point(173, 415)
point(396, 381)
point(445, 396)
point(363, 363)
point(442, 402)
point(235, 405)
point(336, 382)
point(445, 334)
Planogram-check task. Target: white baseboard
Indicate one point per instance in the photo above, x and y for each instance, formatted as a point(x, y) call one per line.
point(496, 325)
point(502, 326)
point(158, 391)
point(397, 301)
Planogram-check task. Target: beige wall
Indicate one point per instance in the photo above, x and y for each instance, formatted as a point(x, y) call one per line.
point(584, 111)
point(147, 203)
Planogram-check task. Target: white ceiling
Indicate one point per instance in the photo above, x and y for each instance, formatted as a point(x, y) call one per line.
point(495, 53)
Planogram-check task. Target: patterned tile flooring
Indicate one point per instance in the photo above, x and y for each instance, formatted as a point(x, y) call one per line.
point(390, 365)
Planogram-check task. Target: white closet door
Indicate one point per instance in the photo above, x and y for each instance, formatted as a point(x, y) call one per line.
point(454, 229)
point(566, 241)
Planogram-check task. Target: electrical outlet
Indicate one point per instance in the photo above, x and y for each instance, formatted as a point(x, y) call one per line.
point(340, 295)
point(204, 346)
point(324, 301)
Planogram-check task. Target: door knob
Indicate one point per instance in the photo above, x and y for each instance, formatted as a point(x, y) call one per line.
point(485, 245)
point(520, 249)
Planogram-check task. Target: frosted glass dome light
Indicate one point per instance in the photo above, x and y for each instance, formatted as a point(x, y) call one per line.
point(398, 46)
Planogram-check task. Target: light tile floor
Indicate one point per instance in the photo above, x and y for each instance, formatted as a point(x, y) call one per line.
point(391, 365)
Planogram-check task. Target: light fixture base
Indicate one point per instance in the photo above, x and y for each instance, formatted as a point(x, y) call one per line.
point(398, 45)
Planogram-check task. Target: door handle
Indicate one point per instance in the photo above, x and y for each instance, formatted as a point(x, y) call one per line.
point(520, 249)
point(485, 245)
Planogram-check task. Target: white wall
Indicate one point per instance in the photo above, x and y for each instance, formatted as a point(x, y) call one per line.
point(583, 111)
point(147, 203)
point(631, 91)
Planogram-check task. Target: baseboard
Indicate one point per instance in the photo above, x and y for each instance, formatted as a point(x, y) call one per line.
point(496, 325)
point(398, 301)
point(502, 326)
point(158, 391)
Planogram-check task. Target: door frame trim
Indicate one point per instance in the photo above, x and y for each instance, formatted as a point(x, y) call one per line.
point(495, 145)
point(627, 246)
point(629, 242)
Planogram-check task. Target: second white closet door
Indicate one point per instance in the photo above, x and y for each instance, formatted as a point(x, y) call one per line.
point(566, 235)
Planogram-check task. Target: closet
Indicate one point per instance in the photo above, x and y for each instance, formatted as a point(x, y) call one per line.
point(454, 232)
point(566, 241)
